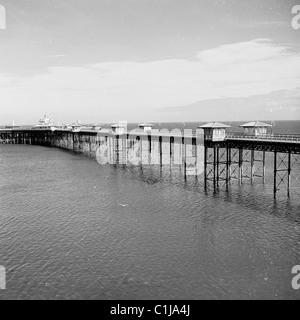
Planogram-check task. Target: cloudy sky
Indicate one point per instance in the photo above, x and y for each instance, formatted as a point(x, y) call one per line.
point(149, 60)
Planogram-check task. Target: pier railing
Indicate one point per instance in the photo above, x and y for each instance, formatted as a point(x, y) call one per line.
point(294, 138)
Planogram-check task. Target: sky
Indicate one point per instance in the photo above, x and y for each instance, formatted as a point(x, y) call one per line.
point(149, 61)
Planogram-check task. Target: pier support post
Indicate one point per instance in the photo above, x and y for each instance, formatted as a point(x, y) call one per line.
point(264, 167)
point(228, 165)
point(160, 151)
point(275, 173)
point(185, 157)
point(252, 166)
point(90, 144)
point(141, 149)
point(240, 166)
point(109, 148)
point(171, 151)
point(117, 150)
point(215, 166)
point(289, 173)
point(149, 149)
point(196, 157)
point(113, 154)
point(205, 167)
point(182, 151)
point(218, 165)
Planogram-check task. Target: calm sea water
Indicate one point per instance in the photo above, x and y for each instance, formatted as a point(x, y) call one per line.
point(72, 229)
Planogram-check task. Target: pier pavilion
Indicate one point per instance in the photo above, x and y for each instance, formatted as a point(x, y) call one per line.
point(118, 128)
point(214, 131)
point(146, 127)
point(12, 125)
point(255, 128)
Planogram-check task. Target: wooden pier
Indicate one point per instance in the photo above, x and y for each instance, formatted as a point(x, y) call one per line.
point(210, 152)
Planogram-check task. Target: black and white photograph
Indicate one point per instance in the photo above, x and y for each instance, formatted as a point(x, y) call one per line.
point(149, 152)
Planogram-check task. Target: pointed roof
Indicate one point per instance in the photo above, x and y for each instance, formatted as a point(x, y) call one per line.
point(145, 125)
point(256, 124)
point(214, 125)
point(118, 125)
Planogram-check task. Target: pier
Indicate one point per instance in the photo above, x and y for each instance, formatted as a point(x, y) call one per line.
point(210, 152)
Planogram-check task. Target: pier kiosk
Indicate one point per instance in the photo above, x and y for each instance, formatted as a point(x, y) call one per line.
point(146, 127)
point(118, 128)
point(96, 127)
point(214, 131)
point(12, 125)
point(76, 126)
point(255, 128)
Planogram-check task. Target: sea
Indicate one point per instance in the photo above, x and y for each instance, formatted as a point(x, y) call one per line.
point(71, 228)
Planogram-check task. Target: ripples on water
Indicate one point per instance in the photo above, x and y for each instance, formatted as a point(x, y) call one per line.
point(70, 228)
